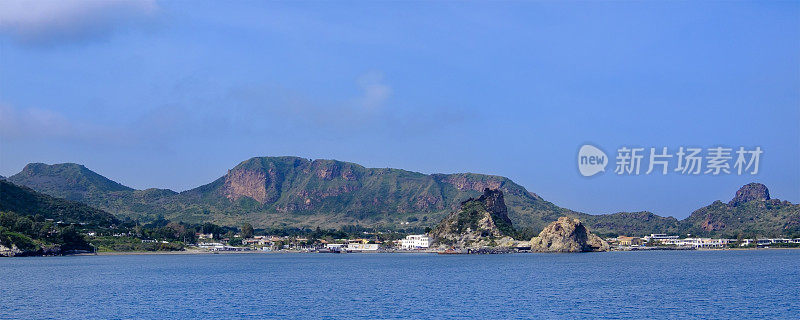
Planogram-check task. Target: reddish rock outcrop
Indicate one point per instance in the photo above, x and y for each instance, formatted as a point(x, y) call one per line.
point(246, 183)
point(750, 192)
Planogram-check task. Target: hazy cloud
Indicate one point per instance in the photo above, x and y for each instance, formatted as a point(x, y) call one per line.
point(253, 110)
point(366, 107)
point(371, 109)
point(374, 91)
point(49, 22)
point(36, 123)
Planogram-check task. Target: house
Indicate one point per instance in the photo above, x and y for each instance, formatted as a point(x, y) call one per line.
point(258, 241)
point(415, 241)
point(202, 236)
point(629, 241)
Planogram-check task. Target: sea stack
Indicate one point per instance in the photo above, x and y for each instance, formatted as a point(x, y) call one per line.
point(567, 235)
point(481, 222)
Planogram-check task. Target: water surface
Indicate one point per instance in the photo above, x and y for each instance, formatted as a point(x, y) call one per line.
point(662, 284)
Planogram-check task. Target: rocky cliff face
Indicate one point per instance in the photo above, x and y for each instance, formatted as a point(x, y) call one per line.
point(481, 222)
point(567, 235)
point(246, 183)
point(750, 192)
point(464, 182)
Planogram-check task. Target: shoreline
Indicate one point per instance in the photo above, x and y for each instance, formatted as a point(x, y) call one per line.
point(202, 252)
point(205, 252)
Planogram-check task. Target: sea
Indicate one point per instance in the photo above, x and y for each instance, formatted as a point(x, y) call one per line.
point(729, 284)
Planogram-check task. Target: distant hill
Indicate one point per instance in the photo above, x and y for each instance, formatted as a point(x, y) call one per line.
point(631, 223)
point(27, 202)
point(67, 180)
point(77, 183)
point(750, 213)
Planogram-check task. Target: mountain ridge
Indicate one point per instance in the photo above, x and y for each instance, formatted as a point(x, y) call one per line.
point(290, 191)
point(283, 185)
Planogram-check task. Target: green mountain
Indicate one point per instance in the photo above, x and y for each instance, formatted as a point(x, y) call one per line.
point(292, 191)
point(32, 223)
point(27, 202)
point(77, 183)
point(67, 180)
point(750, 213)
point(298, 192)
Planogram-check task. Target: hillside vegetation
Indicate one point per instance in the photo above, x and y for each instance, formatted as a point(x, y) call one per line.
point(289, 192)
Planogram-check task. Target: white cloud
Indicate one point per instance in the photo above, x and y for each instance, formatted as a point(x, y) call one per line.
point(45, 22)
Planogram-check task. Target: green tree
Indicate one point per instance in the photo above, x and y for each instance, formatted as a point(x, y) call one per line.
point(24, 225)
point(209, 227)
point(8, 219)
point(178, 230)
point(71, 239)
point(247, 230)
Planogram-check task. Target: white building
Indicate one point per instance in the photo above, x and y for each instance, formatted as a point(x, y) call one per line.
point(362, 247)
point(415, 241)
point(699, 242)
point(213, 246)
point(658, 237)
point(336, 247)
point(767, 242)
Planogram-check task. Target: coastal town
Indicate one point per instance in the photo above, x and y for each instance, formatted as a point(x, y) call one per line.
point(419, 242)
point(422, 243)
point(481, 225)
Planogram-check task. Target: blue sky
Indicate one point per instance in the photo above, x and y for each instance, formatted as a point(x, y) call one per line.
point(172, 94)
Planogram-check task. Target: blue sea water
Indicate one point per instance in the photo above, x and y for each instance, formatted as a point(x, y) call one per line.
point(753, 284)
